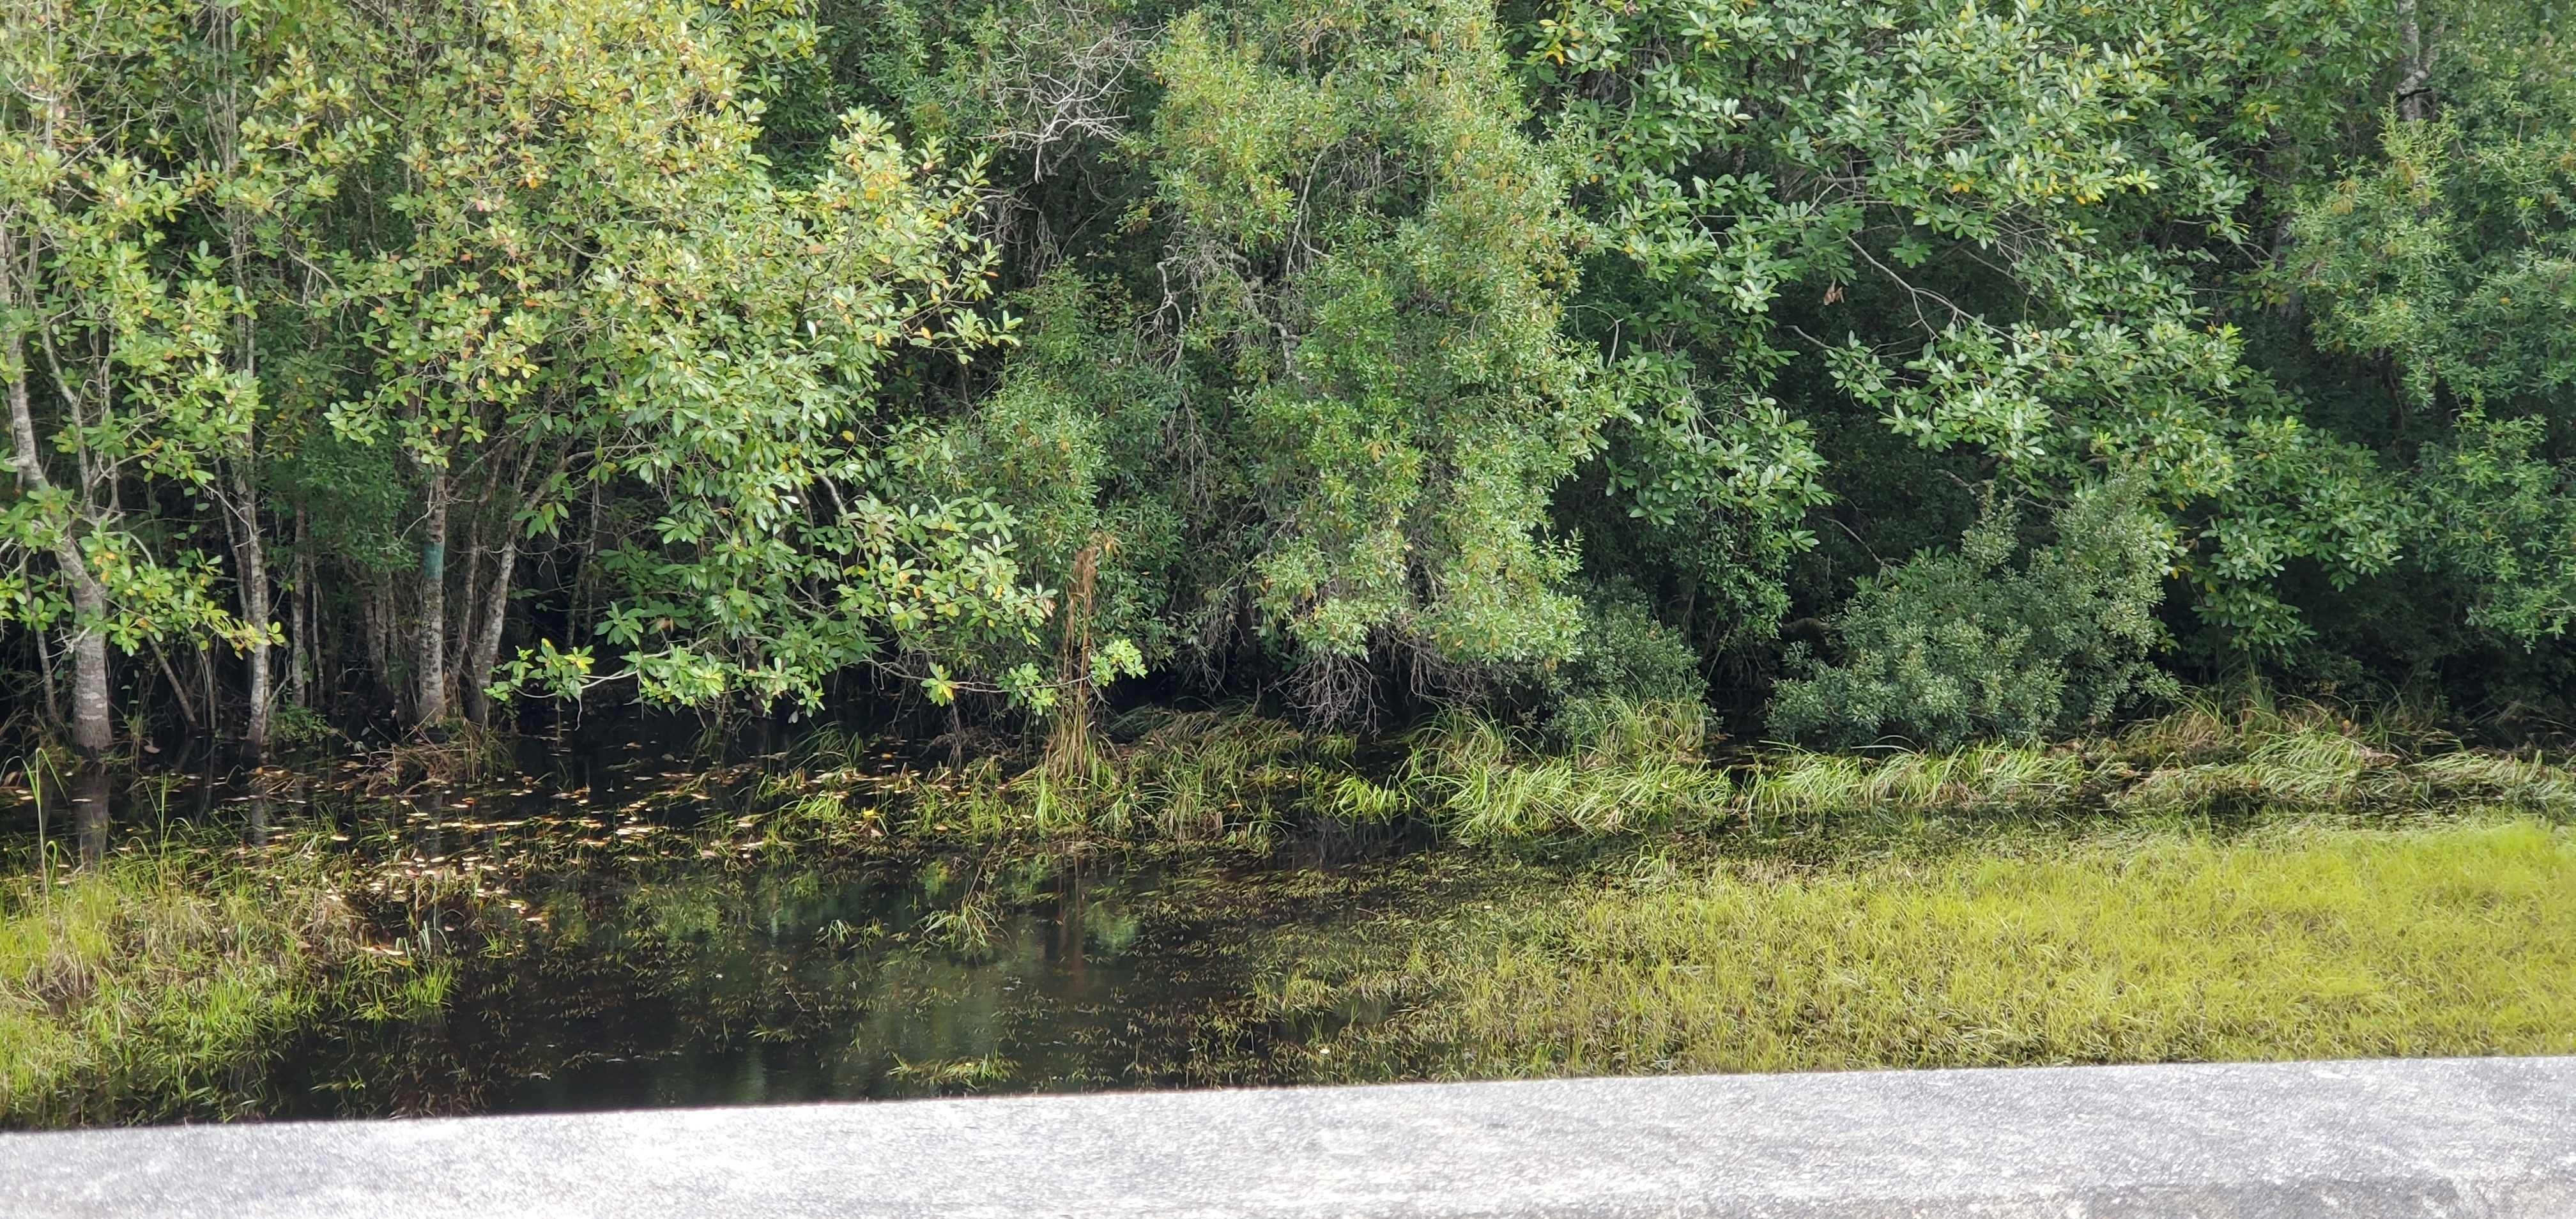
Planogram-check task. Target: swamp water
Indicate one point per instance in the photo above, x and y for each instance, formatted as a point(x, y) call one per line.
point(634, 930)
point(615, 934)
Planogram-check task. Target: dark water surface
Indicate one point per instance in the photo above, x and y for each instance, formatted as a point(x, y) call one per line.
point(609, 932)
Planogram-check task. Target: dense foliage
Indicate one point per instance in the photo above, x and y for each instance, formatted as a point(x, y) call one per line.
point(1868, 369)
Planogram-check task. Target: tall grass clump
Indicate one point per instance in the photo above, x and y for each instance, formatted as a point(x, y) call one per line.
point(1646, 767)
point(2201, 759)
point(1642, 769)
point(2206, 757)
point(1184, 777)
point(1798, 785)
point(155, 984)
point(1207, 775)
point(1212, 776)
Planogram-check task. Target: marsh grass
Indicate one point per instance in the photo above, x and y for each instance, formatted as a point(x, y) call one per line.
point(2224, 882)
point(2292, 939)
point(1643, 772)
point(1196, 777)
point(462, 752)
point(157, 983)
point(1237, 777)
point(1240, 779)
point(1985, 779)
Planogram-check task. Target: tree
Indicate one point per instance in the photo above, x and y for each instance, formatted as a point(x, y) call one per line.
point(1368, 263)
point(2003, 211)
point(599, 282)
point(116, 383)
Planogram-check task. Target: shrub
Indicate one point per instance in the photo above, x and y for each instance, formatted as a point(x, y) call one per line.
point(1953, 647)
point(1626, 660)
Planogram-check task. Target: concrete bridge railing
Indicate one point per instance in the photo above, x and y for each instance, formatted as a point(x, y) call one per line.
point(2484, 1137)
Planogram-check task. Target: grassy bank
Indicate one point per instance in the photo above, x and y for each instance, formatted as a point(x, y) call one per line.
point(1239, 777)
point(2301, 938)
point(157, 983)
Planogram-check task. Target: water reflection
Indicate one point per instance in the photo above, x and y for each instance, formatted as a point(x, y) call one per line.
point(796, 988)
point(709, 986)
point(596, 945)
point(91, 804)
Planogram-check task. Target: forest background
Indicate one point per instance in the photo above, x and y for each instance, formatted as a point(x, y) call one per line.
point(1847, 372)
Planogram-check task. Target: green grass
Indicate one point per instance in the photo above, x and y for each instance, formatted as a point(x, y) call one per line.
point(1196, 777)
point(156, 983)
point(1237, 777)
point(1645, 772)
point(1796, 785)
point(2298, 939)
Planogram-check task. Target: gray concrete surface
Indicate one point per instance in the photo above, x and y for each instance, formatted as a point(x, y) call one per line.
point(2484, 1137)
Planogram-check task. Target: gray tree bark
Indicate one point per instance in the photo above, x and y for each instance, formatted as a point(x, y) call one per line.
point(2415, 58)
point(240, 493)
point(430, 704)
point(92, 728)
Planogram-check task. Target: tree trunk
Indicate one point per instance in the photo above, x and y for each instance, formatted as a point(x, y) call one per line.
point(487, 637)
point(45, 665)
point(375, 621)
point(214, 702)
point(91, 792)
point(2416, 60)
point(241, 513)
point(92, 730)
point(178, 689)
point(430, 706)
point(460, 641)
point(252, 557)
point(300, 657)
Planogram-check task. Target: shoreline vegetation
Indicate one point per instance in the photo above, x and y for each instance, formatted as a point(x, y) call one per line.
point(1212, 776)
point(2247, 882)
point(157, 983)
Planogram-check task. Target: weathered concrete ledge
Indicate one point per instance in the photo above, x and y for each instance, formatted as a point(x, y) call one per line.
point(2455, 1137)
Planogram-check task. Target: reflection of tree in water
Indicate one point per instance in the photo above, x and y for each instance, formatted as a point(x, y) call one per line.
point(557, 951)
point(92, 804)
point(693, 986)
